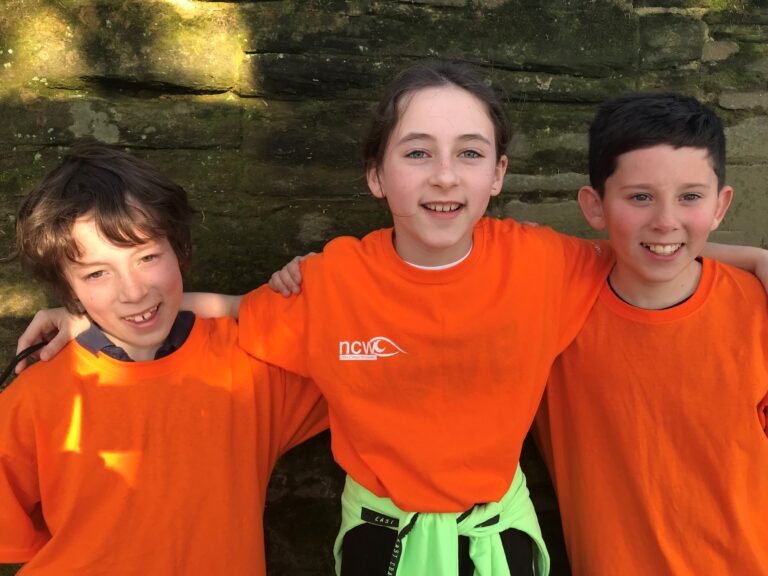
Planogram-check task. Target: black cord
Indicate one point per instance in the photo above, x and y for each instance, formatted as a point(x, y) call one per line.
point(19, 357)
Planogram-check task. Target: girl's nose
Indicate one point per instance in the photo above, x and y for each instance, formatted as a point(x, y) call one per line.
point(444, 175)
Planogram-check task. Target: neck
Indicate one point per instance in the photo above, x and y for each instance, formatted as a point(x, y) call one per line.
point(651, 295)
point(424, 257)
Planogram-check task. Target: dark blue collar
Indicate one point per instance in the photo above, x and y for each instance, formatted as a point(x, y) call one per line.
point(94, 340)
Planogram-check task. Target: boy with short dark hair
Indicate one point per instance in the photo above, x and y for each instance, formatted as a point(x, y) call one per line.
point(658, 451)
point(145, 447)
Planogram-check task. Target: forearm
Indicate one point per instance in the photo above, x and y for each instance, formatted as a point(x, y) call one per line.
point(209, 305)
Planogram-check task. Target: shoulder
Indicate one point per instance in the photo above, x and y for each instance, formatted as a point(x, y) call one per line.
point(47, 382)
point(215, 336)
point(350, 247)
point(346, 256)
point(732, 282)
point(541, 238)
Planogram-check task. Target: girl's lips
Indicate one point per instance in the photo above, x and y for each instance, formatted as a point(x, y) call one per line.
point(442, 206)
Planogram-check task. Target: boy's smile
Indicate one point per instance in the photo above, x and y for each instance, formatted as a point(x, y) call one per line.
point(438, 173)
point(132, 292)
point(659, 206)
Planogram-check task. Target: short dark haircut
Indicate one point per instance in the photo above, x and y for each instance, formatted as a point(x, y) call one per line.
point(642, 120)
point(130, 201)
point(430, 75)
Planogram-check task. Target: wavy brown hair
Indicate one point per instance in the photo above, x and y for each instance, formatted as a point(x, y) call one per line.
point(131, 202)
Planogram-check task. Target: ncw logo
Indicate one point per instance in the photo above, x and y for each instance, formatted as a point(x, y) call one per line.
point(377, 347)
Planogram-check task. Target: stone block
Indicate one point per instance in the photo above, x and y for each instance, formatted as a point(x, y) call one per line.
point(585, 37)
point(746, 140)
point(685, 78)
point(757, 101)
point(718, 50)
point(548, 137)
point(744, 71)
point(562, 183)
point(739, 12)
point(293, 76)
point(183, 47)
point(741, 32)
point(555, 87)
point(63, 118)
point(562, 215)
point(745, 221)
point(670, 39)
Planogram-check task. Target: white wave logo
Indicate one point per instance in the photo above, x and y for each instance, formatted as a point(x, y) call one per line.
point(375, 348)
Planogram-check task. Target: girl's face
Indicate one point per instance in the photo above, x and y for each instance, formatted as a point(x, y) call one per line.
point(438, 173)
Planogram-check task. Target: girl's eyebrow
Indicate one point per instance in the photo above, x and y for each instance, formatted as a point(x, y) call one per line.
point(424, 136)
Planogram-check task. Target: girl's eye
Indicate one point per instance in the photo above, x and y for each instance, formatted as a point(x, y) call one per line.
point(416, 154)
point(471, 154)
point(149, 258)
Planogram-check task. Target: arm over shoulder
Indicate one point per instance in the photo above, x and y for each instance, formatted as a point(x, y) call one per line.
point(274, 328)
point(586, 265)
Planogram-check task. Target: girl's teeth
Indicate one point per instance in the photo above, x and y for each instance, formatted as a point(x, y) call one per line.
point(442, 207)
point(663, 249)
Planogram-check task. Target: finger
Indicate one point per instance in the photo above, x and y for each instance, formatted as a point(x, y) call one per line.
point(54, 346)
point(294, 271)
point(277, 284)
point(23, 363)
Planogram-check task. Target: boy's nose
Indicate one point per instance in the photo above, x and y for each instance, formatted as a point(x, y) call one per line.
point(665, 218)
point(131, 289)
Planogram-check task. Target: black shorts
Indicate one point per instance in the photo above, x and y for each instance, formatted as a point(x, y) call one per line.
point(367, 551)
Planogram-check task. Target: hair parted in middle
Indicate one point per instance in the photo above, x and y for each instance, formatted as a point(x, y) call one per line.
point(642, 120)
point(130, 201)
point(430, 75)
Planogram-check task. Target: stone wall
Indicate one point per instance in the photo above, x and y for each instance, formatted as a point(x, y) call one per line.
point(257, 107)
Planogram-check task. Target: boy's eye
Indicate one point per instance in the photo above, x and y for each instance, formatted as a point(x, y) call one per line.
point(149, 257)
point(641, 197)
point(690, 197)
point(94, 275)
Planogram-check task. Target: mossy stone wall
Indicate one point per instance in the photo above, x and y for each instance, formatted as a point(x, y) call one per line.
point(258, 107)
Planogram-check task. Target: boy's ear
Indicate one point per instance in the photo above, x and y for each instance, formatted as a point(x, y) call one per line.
point(592, 207)
point(498, 177)
point(374, 182)
point(724, 198)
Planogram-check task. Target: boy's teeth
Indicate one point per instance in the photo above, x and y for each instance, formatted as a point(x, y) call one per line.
point(142, 317)
point(663, 249)
point(442, 207)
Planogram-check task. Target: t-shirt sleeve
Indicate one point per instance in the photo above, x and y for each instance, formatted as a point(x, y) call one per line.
point(22, 529)
point(586, 265)
point(273, 328)
point(298, 410)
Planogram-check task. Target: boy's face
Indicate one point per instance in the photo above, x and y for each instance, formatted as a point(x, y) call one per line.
point(659, 207)
point(133, 293)
point(438, 172)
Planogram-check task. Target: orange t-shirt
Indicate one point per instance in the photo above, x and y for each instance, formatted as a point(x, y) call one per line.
point(121, 468)
point(432, 376)
point(652, 430)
